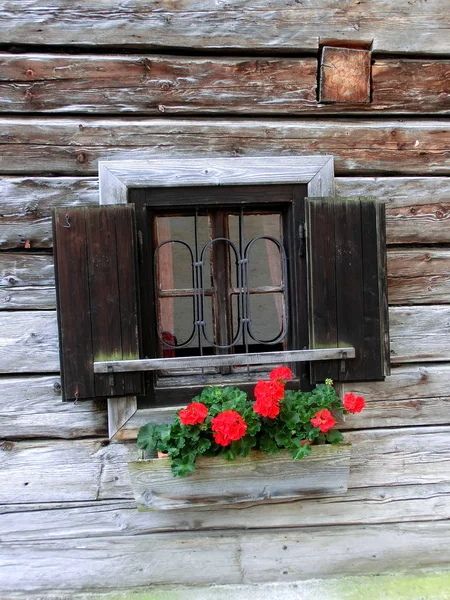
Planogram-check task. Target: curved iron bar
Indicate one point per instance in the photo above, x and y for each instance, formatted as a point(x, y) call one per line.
point(238, 281)
point(158, 247)
point(285, 314)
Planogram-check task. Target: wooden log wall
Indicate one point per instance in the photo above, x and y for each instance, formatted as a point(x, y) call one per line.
point(79, 85)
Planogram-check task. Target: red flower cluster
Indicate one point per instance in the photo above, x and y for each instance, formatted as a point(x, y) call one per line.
point(353, 403)
point(323, 420)
point(268, 395)
point(194, 414)
point(228, 427)
point(281, 373)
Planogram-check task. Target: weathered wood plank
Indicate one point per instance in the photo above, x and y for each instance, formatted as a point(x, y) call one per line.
point(69, 146)
point(29, 339)
point(117, 563)
point(44, 522)
point(393, 27)
point(80, 470)
point(345, 75)
point(150, 84)
point(26, 282)
point(419, 276)
point(26, 206)
point(257, 478)
point(419, 333)
point(417, 210)
point(416, 276)
point(31, 407)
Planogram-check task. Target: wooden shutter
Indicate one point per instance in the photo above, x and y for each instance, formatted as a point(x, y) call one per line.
point(97, 305)
point(346, 256)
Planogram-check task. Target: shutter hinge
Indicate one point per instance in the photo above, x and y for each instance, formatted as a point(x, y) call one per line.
point(301, 239)
point(140, 238)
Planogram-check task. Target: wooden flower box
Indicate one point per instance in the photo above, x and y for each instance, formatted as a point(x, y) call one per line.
point(257, 478)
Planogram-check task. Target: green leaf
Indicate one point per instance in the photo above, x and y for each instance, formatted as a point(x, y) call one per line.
point(334, 436)
point(148, 437)
point(301, 452)
point(183, 466)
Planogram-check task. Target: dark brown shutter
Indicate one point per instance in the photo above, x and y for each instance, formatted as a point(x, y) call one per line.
point(347, 285)
point(96, 285)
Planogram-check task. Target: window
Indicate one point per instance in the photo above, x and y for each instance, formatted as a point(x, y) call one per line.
point(222, 272)
point(327, 304)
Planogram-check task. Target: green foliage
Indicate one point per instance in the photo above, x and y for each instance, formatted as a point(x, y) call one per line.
point(291, 430)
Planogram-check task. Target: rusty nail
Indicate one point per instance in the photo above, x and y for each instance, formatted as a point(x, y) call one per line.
point(81, 157)
point(28, 95)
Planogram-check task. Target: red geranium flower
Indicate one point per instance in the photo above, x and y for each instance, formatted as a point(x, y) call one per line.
point(353, 403)
point(194, 414)
point(323, 420)
point(268, 395)
point(283, 373)
point(228, 427)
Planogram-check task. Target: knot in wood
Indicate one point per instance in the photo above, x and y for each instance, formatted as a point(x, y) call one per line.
point(28, 94)
point(81, 157)
point(161, 108)
point(7, 446)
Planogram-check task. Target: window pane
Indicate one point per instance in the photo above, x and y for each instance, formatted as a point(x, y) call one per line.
point(266, 312)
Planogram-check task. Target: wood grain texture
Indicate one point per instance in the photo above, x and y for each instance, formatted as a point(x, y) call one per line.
point(152, 84)
point(344, 75)
point(419, 276)
point(418, 208)
point(74, 146)
point(258, 478)
point(119, 518)
point(28, 339)
point(117, 563)
point(80, 470)
point(31, 407)
point(394, 27)
point(26, 282)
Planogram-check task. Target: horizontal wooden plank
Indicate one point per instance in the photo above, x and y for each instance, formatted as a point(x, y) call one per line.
point(26, 282)
point(119, 563)
point(48, 522)
point(397, 27)
point(419, 333)
point(257, 478)
point(418, 276)
point(80, 470)
point(153, 364)
point(417, 210)
point(152, 84)
point(31, 407)
point(70, 146)
point(29, 339)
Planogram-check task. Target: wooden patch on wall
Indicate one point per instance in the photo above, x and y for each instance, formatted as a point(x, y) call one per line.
point(345, 75)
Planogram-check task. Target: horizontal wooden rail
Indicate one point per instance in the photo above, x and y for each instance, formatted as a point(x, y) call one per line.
point(153, 364)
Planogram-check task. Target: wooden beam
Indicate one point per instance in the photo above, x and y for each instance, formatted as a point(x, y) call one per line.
point(417, 211)
point(345, 76)
point(157, 84)
point(392, 27)
point(361, 147)
point(263, 358)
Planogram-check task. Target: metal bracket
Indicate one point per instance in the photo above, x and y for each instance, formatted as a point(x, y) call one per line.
point(343, 359)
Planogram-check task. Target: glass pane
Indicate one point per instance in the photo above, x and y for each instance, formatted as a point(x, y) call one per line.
point(176, 320)
point(266, 316)
point(174, 260)
point(265, 263)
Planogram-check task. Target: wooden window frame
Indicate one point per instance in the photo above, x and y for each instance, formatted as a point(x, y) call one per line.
point(116, 178)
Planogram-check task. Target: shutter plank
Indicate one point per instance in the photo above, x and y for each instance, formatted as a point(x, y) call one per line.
point(104, 294)
point(128, 292)
point(322, 285)
point(358, 256)
point(97, 299)
point(349, 282)
point(72, 285)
